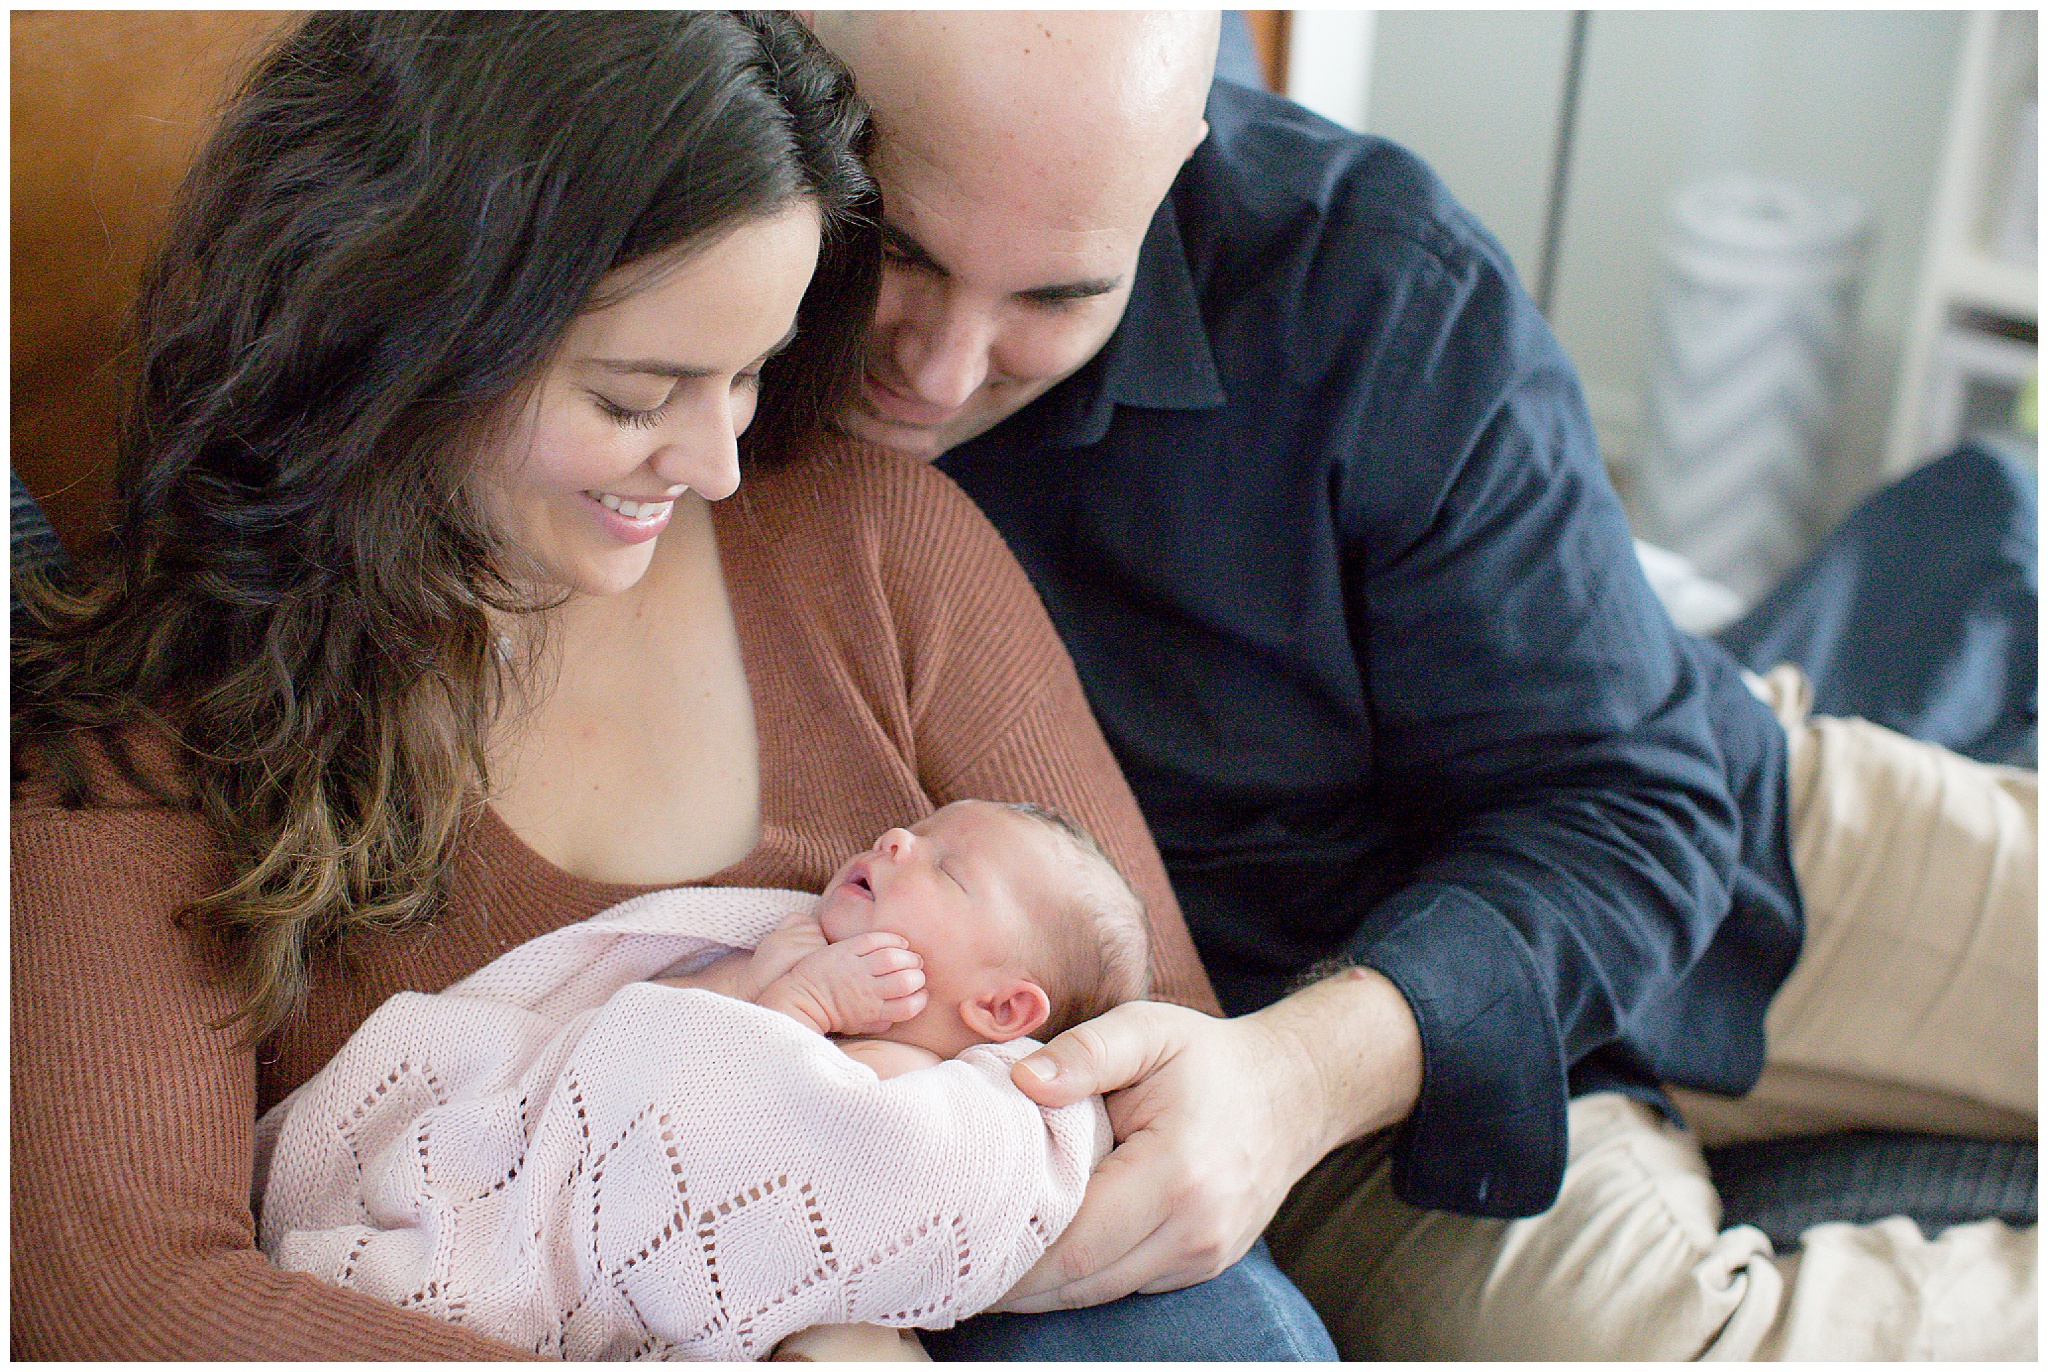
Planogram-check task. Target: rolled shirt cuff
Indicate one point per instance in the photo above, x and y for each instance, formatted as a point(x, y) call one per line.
point(1488, 1134)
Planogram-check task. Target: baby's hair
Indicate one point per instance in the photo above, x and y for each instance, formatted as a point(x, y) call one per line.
point(1097, 951)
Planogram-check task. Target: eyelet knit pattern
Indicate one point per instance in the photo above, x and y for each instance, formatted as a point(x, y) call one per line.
point(562, 1155)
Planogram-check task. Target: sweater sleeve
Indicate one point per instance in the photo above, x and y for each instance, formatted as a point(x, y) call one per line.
point(133, 1122)
point(998, 711)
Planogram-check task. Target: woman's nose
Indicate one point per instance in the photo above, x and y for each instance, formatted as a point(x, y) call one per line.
point(703, 455)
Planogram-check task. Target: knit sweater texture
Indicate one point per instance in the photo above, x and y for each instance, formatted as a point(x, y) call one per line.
point(898, 660)
point(561, 1154)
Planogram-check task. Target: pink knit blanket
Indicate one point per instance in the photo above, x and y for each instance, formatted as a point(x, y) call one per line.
point(559, 1154)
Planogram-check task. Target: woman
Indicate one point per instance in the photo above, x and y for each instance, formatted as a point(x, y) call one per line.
point(419, 635)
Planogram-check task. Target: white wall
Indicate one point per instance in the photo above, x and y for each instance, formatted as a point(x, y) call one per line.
point(1329, 63)
point(1477, 96)
point(1843, 99)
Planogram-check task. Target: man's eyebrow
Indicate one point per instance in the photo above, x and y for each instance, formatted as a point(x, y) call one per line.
point(912, 251)
point(903, 245)
point(654, 366)
point(1071, 290)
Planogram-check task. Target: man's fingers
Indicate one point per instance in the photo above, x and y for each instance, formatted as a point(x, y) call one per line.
point(1158, 1263)
point(1119, 1211)
point(1105, 1054)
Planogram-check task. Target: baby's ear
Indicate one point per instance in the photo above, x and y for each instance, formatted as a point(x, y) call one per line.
point(1008, 1010)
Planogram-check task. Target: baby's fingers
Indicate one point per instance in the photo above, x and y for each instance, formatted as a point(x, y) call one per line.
point(893, 1012)
point(861, 945)
point(893, 986)
point(882, 961)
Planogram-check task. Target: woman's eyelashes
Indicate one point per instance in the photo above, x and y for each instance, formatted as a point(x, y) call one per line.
point(630, 417)
point(648, 418)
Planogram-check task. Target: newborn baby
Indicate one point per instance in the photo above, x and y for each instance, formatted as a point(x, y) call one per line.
point(981, 923)
point(586, 1148)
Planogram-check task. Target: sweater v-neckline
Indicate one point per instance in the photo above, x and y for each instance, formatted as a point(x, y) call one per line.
point(515, 863)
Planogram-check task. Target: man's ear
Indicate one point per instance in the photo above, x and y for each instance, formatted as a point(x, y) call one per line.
point(1007, 1010)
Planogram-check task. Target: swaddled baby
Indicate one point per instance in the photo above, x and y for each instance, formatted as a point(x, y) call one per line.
point(557, 1153)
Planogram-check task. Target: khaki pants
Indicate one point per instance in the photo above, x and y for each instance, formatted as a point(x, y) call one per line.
point(1912, 1006)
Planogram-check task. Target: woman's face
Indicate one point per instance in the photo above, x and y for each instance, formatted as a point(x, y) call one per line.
point(644, 402)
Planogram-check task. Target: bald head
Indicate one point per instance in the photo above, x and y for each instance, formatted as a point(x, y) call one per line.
point(1086, 94)
point(1021, 158)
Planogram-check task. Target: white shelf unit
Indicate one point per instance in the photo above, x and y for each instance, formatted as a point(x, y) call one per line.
point(1969, 293)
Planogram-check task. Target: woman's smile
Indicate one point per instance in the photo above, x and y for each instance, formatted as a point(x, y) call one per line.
point(645, 400)
point(630, 521)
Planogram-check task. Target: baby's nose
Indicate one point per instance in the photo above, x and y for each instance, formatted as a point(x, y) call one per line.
point(896, 842)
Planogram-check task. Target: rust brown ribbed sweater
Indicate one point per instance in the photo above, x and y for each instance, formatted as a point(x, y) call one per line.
point(898, 660)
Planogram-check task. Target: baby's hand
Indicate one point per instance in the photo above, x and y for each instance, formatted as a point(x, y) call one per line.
point(859, 985)
point(787, 944)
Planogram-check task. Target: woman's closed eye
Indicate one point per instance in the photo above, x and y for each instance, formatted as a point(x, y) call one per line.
point(647, 418)
point(627, 414)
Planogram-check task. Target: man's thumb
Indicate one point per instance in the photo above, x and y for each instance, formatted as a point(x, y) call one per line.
point(1083, 1061)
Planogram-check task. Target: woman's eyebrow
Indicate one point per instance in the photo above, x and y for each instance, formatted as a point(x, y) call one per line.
point(654, 366)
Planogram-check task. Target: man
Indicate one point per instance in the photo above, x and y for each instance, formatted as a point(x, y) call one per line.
point(1478, 850)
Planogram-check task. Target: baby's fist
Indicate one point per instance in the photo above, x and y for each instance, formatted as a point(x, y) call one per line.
point(859, 985)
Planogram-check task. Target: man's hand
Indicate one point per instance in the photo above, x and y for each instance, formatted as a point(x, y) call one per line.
point(1214, 1120)
point(859, 985)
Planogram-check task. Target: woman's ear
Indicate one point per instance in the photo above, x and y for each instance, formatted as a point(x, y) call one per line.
point(1008, 1010)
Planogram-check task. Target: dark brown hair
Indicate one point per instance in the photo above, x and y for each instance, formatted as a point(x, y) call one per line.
point(397, 219)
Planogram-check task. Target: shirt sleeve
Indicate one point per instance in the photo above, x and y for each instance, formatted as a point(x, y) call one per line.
point(1543, 741)
point(998, 711)
point(133, 1123)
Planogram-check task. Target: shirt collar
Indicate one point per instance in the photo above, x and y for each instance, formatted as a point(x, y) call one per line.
point(1158, 358)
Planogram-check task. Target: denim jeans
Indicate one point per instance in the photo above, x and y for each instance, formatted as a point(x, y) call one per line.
point(1919, 613)
point(1246, 1313)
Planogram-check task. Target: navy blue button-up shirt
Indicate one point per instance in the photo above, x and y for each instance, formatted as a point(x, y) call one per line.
point(1324, 529)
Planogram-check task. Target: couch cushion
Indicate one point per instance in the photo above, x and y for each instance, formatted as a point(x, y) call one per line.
point(1784, 1186)
point(108, 109)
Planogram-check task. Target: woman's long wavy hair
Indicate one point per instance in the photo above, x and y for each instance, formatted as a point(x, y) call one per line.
point(369, 265)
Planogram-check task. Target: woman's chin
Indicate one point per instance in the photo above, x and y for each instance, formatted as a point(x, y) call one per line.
point(610, 573)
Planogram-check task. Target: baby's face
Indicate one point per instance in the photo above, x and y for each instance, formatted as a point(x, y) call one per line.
point(958, 886)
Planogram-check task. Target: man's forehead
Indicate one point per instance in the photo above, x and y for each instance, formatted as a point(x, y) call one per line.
point(927, 63)
point(998, 233)
point(986, 98)
point(944, 185)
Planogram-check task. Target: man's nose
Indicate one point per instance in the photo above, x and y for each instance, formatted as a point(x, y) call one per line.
point(942, 349)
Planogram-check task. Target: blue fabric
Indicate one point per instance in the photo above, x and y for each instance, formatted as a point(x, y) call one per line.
point(1325, 532)
point(1236, 59)
point(32, 543)
point(1248, 1313)
point(1920, 612)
